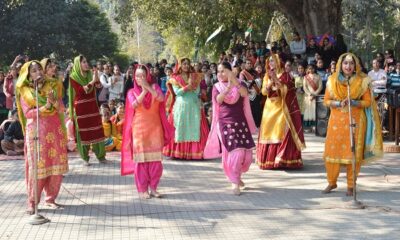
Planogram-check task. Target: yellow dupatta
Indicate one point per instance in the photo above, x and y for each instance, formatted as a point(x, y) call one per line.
point(26, 91)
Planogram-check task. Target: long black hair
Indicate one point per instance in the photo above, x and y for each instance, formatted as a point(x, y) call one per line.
point(226, 65)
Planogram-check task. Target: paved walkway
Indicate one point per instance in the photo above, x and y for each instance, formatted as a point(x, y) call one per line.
point(100, 204)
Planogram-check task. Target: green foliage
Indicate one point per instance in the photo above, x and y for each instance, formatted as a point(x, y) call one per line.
point(38, 28)
point(122, 59)
point(90, 31)
point(196, 20)
point(371, 26)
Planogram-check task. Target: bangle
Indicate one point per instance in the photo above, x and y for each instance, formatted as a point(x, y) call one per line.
point(335, 104)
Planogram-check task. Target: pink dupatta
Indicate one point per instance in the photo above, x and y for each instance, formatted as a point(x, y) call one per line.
point(211, 150)
point(127, 151)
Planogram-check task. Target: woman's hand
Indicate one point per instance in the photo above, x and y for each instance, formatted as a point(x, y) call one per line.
point(145, 90)
point(86, 88)
point(51, 97)
point(145, 84)
point(190, 85)
point(344, 103)
point(272, 74)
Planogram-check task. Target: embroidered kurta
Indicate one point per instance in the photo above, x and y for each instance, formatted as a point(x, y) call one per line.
point(337, 144)
point(52, 136)
point(234, 129)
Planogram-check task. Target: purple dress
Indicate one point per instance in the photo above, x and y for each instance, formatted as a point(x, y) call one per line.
point(234, 130)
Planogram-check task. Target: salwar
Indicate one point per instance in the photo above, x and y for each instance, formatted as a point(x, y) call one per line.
point(148, 174)
point(235, 163)
point(51, 186)
point(98, 149)
point(333, 170)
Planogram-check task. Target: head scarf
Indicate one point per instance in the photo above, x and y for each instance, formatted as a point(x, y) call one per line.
point(25, 90)
point(44, 62)
point(138, 89)
point(338, 85)
point(76, 72)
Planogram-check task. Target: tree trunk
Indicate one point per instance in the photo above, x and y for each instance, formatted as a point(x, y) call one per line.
point(312, 17)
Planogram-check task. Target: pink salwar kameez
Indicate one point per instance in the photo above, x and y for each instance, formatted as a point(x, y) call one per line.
point(231, 133)
point(53, 162)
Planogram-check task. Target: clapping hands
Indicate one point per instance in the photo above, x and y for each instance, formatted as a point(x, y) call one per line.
point(51, 98)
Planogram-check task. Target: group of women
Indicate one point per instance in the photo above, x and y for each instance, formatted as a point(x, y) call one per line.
point(175, 125)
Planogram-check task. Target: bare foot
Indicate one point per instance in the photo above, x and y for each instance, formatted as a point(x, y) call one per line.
point(235, 189)
point(30, 211)
point(329, 189)
point(349, 192)
point(155, 194)
point(144, 195)
point(53, 205)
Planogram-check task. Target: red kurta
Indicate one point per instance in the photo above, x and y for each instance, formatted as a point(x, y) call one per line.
point(87, 115)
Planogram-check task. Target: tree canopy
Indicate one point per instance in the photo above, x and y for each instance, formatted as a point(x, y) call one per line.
point(366, 25)
point(38, 28)
point(194, 21)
